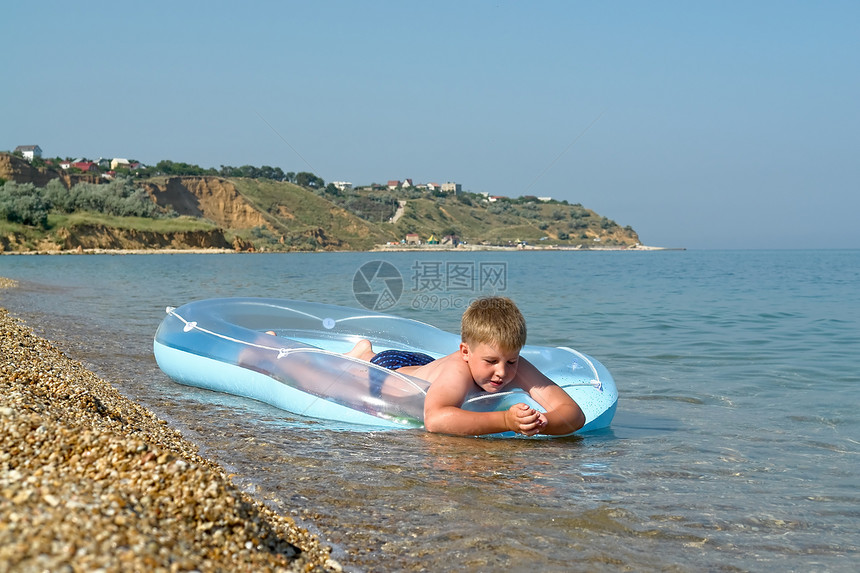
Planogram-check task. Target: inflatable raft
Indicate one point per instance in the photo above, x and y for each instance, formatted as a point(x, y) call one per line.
point(223, 345)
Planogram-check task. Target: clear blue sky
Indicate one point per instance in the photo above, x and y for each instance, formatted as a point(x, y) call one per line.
point(700, 124)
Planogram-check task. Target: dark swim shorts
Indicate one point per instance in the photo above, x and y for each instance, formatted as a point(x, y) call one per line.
point(392, 360)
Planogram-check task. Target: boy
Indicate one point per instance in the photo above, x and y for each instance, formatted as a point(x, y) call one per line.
point(493, 332)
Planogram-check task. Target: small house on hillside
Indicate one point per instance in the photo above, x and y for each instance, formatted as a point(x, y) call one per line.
point(450, 187)
point(29, 151)
point(85, 166)
point(413, 239)
point(452, 240)
point(393, 184)
point(119, 163)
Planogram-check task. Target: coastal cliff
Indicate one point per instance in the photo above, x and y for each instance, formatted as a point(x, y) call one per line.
point(276, 214)
point(101, 237)
point(20, 171)
point(211, 198)
point(82, 238)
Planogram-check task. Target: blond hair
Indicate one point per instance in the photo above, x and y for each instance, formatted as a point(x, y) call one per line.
point(494, 320)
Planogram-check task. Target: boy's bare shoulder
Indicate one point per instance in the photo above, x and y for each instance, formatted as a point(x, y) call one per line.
point(450, 382)
point(450, 369)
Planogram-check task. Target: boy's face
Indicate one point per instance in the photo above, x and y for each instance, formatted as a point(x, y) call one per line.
point(492, 368)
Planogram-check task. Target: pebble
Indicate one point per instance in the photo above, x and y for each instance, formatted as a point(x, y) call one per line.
point(91, 481)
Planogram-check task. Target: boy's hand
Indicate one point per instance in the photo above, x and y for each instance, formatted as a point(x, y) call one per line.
point(522, 419)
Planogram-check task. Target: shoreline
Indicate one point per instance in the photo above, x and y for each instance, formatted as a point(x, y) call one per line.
point(375, 249)
point(463, 248)
point(79, 457)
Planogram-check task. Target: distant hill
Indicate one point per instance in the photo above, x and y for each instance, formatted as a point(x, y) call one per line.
point(268, 215)
point(276, 215)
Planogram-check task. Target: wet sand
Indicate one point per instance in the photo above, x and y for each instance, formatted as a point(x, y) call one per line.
point(90, 480)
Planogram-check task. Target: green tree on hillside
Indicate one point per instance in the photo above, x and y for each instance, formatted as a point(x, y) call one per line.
point(23, 203)
point(29, 205)
point(168, 167)
point(305, 179)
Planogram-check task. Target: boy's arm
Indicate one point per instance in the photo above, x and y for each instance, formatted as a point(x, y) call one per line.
point(442, 414)
point(563, 415)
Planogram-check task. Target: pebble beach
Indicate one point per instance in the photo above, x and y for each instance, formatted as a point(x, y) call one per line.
point(91, 481)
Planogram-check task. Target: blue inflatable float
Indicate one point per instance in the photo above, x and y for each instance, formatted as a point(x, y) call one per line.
point(223, 345)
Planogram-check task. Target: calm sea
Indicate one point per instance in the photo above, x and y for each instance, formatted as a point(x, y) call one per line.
point(735, 446)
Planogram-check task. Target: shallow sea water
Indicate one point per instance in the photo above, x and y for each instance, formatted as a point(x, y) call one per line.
point(735, 445)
